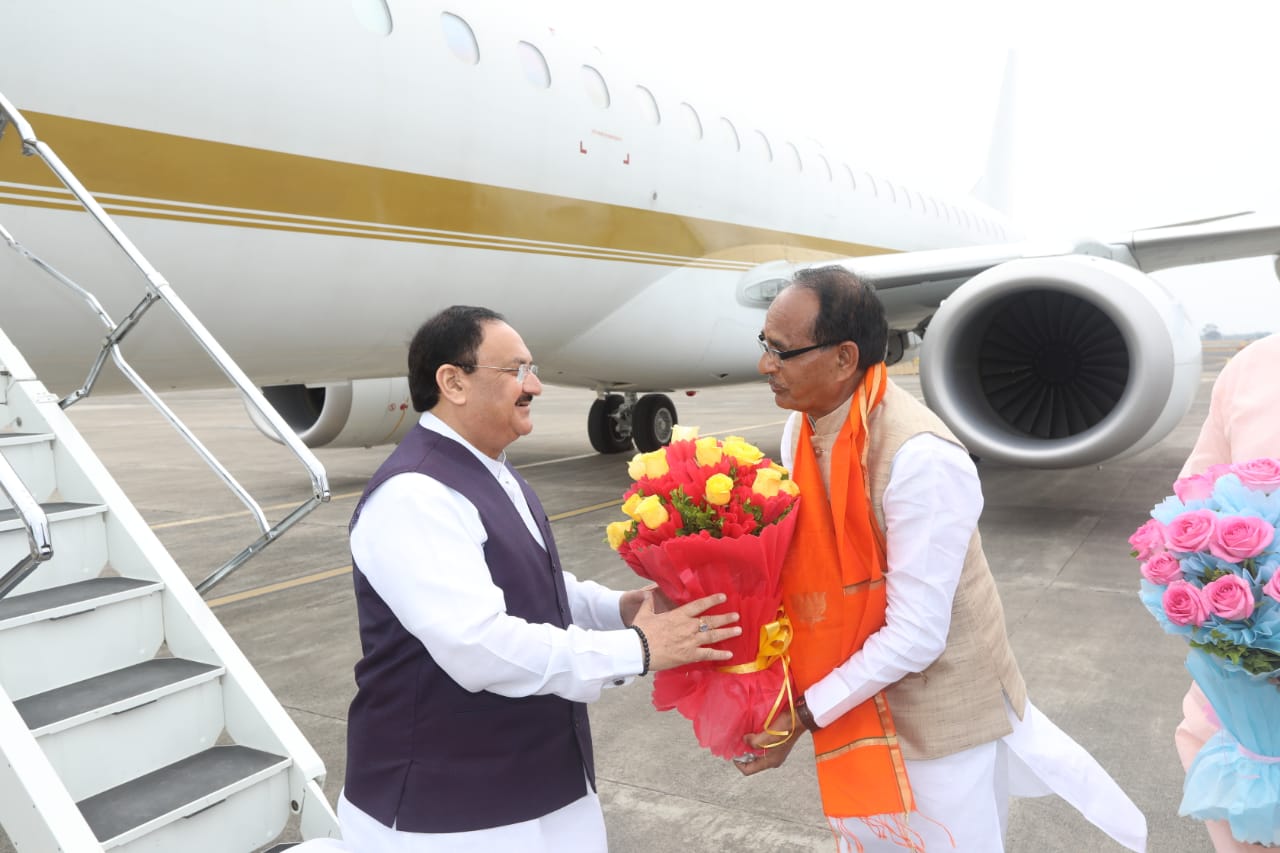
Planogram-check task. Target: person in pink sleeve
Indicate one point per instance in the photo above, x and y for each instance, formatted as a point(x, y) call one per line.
point(1243, 424)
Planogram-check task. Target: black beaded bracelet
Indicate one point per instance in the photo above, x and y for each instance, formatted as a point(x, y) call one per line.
point(644, 645)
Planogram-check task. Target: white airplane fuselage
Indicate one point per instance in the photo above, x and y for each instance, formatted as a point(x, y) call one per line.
point(314, 190)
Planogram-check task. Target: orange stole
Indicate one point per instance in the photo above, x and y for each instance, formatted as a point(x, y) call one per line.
point(833, 591)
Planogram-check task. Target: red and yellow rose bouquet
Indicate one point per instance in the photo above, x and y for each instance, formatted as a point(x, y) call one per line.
point(708, 516)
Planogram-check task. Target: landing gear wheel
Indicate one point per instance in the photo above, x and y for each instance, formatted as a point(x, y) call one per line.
point(652, 421)
point(604, 428)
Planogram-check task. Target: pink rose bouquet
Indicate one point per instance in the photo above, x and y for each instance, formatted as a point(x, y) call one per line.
point(1209, 557)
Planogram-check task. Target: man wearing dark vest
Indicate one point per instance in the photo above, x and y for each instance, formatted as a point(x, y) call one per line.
point(903, 669)
point(469, 730)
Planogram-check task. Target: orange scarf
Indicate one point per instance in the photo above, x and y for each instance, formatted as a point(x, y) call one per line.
point(833, 591)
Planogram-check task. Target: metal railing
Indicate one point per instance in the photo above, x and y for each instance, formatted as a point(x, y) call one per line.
point(33, 518)
point(159, 290)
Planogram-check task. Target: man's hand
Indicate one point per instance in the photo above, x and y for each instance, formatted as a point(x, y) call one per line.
point(632, 600)
point(773, 755)
point(682, 635)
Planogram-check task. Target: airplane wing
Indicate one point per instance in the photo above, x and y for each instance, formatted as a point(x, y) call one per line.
point(1055, 356)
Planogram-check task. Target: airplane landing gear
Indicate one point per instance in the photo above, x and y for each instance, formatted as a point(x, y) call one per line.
point(609, 425)
point(652, 421)
point(615, 421)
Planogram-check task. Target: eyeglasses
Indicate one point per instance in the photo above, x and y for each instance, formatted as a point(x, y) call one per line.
point(522, 372)
point(784, 354)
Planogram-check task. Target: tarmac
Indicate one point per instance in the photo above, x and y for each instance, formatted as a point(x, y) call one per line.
point(1094, 660)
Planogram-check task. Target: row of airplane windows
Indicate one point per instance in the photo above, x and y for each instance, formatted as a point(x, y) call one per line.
point(462, 42)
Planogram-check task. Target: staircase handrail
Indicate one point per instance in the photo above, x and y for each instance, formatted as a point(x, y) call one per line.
point(159, 290)
point(33, 518)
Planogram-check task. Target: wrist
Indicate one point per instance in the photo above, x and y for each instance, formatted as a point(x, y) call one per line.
point(644, 649)
point(805, 715)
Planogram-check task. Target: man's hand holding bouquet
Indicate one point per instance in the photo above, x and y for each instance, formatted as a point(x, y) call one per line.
point(1209, 559)
point(707, 516)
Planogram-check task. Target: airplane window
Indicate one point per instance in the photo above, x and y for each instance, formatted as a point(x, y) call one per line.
point(853, 182)
point(826, 167)
point(648, 105)
point(597, 89)
point(791, 157)
point(460, 38)
point(534, 65)
point(760, 145)
point(730, 134)
point(373, 15)
point(691, 121)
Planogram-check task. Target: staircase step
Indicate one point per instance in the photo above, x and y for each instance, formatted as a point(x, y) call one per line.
point(111, 693)
point(80, 549)
point(61, 635)
point(73, 598)
point(31, 456)
point(56, 511)
point(184, 788)
point(13, 439)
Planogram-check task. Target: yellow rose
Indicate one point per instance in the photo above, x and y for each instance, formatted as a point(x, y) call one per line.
point(767, 483)
point(708, 452)
point(629, 506)
point(683, 433)
point(790, 487)
point(635, 468)
point(655, 463)
point(737, 447)
point(719, 488)
point(618, 532)
point(652, 512)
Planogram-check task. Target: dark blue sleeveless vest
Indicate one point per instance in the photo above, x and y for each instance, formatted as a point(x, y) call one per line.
point(423, 753)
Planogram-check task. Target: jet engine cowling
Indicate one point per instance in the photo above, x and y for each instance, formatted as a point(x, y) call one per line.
point(356, 413)
point(1060, 362)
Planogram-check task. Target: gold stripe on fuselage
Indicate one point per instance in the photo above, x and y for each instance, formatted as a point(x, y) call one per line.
point(164, 176)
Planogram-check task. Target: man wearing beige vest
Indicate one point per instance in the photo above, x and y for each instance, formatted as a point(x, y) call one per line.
point(904, 675)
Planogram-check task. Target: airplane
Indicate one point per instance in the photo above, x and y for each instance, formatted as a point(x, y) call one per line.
point(315, 178)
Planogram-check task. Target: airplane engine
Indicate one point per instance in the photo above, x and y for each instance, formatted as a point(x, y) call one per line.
point(1060, 362)
point(357, 413)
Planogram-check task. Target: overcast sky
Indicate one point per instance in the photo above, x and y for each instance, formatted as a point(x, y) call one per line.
point(1128, 114)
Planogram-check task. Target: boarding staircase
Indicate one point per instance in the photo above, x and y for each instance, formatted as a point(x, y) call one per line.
point(129, 719)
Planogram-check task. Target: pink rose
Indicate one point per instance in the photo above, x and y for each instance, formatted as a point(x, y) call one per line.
point(1273, 587)
point(1229, 597)
point(1148, 539)
point(1238, 537)
point(1222, 469)
point(1162, 568)
point(1197, 487)
point(1190, 531)
point(1262, 475)
point(1183, 604)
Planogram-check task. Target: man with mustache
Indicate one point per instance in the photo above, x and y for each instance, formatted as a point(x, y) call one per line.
point(469, 730)
point(902, 664)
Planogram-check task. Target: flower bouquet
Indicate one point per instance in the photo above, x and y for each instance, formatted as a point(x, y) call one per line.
point(706, 516)
point(1209, 558)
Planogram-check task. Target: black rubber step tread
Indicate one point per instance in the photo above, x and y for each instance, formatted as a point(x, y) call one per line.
point(74, 699)
point(59, 596)
point(156, 794)
point(49, 509)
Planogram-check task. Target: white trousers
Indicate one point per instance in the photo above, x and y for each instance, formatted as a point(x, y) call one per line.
point(962, 800)
point(575, 828)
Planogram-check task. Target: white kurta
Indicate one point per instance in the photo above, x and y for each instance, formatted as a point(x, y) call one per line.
point(410, 527)
point(931, 506)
